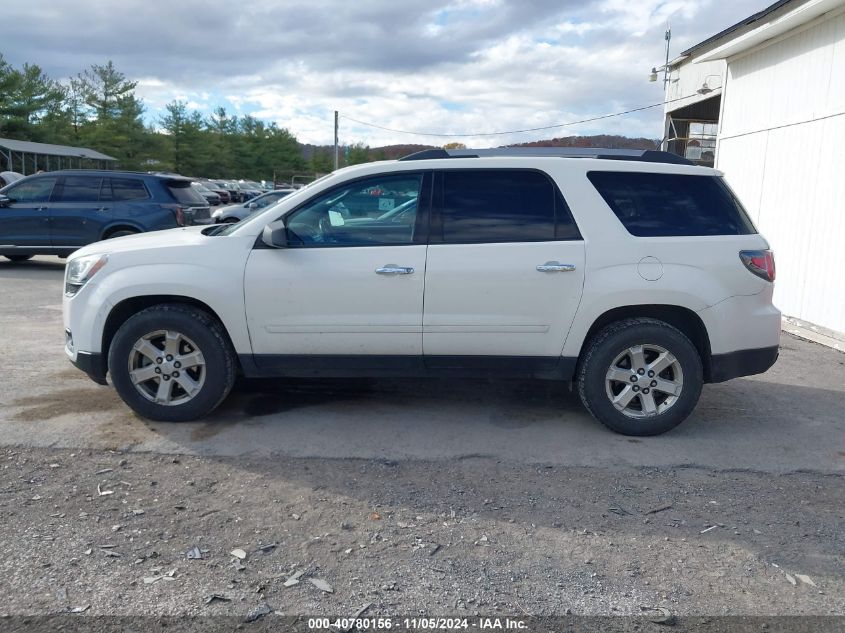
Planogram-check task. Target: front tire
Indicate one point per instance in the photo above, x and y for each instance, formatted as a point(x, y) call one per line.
point(640, 377)
point(172, 363)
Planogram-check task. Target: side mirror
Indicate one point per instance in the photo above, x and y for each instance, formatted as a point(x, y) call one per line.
point(275, 235)
point(252, 205)
point(5, 201)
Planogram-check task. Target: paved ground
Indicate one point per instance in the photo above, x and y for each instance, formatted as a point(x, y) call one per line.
point(415, 496)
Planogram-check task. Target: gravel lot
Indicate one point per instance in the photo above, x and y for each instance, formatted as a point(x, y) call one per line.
point(412, 497)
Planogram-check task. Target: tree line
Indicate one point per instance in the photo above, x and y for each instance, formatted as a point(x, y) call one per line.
point(98, 109)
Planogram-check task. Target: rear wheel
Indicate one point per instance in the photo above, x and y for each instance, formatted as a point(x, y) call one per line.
point(640, 377)
point(172, 363)
point(120, 233)
point(18, 258)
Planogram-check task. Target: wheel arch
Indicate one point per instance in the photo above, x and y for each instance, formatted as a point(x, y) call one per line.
point(683, 319)
point(120, 226)
point(123, 310)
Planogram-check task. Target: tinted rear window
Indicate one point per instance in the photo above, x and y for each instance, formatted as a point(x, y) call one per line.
point(122, 189)
point(79, 189)
point(185, 193)
point(659, 205)
point(503, 206)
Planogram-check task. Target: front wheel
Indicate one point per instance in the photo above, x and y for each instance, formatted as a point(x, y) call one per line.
point(172, 363)
point(640, 377)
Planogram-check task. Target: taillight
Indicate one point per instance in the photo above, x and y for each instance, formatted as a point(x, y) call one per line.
point(180, 216)
point(178, 212)
point(761, 263)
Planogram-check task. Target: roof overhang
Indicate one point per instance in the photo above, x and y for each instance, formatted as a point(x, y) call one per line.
point(770, 30)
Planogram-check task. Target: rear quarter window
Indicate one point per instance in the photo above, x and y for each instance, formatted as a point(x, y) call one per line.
point(664, 205)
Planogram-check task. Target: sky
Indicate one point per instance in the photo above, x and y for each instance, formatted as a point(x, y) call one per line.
point(427, 66)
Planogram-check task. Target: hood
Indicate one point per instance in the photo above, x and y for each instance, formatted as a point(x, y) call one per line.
point(184, 236)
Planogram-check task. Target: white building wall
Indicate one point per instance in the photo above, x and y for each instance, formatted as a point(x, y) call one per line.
point(782, 148)
point(686, 79)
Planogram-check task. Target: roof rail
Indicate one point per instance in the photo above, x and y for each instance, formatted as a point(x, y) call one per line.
point(643, 155)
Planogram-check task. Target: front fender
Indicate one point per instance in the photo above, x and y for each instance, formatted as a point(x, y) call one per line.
point(224, 296)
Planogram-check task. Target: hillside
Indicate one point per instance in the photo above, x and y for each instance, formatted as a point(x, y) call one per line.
point(390, 152)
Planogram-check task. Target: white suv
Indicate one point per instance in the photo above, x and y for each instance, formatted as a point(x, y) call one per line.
point(634, 274)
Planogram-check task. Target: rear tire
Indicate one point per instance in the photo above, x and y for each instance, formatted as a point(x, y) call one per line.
point(172, 363)
point(120, 234)
point(18, 258)
point(640, 377)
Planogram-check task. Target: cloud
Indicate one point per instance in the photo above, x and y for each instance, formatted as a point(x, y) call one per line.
point(448, 66)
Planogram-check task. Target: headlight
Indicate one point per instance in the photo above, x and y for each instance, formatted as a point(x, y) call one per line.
point(80, 270)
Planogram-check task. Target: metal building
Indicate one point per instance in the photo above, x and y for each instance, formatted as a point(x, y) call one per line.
point(764, 101)
point(27, 157)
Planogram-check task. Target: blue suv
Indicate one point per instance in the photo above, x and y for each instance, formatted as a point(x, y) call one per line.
point(56, 213)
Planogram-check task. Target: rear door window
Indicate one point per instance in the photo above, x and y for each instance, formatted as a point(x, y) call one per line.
point(480, 206)
point(79, 189)
point(662, 205)
point(124, 189)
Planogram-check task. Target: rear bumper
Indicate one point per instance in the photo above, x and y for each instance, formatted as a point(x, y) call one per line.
point(745, 362)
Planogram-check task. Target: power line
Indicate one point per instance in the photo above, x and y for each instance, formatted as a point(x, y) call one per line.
point(532, 129)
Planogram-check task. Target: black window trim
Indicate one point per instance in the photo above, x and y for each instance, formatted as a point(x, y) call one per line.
point(423, 219)
point(436, 222)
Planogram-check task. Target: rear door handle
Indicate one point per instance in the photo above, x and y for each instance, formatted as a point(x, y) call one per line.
point(555, 267)
point(393, 269)
point(103, 209)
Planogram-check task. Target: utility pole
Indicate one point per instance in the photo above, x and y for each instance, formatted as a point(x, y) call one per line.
point(335, 139)
point(667, 37)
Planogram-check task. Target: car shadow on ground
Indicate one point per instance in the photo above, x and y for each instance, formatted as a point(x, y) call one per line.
point(34, 269)
point(744, 424)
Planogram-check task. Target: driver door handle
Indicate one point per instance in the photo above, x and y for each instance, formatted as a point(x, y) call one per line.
point(393, 269)
point(555, 267)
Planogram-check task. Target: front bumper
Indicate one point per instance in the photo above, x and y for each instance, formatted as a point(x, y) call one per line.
point(745, 362)
point(91, 363)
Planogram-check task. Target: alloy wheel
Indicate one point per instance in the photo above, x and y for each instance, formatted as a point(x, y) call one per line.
point(167, 367)
point(644, 381)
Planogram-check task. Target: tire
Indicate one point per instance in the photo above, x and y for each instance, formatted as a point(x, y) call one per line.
point(18, 258)
point(655, 403)
point(120, 234)
point(194, 391)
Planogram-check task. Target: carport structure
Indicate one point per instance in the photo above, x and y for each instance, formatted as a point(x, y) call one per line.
point(27, 157)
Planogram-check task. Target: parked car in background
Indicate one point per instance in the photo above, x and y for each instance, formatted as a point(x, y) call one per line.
point(236, 194)
point(220, 190)
point(237, 212)
point(250, 189)
point(633, 274)
point(212, 198)
point(55, 213)
point(8, 177)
